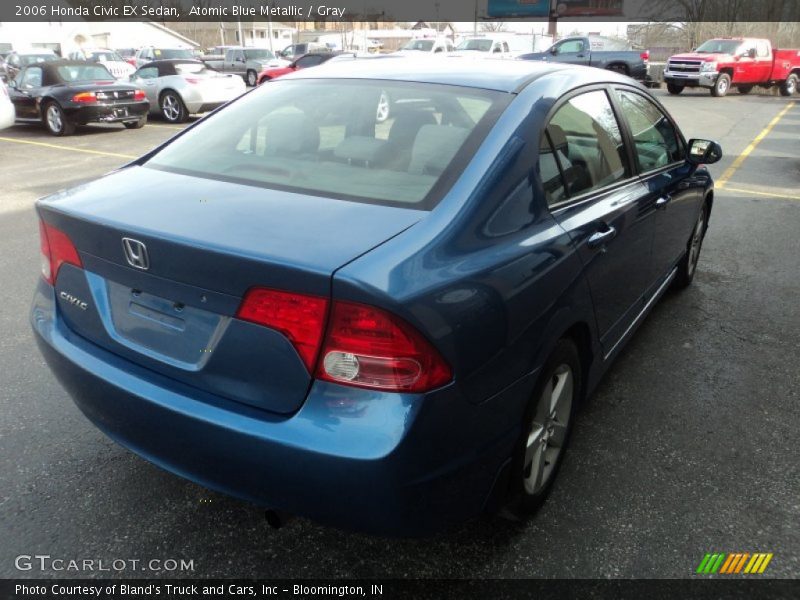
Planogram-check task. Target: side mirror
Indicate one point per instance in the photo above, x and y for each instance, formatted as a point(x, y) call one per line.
point(751, 53)
point(554, 50)
point(704, 152)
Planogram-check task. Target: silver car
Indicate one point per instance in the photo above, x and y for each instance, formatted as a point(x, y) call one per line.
point(178, 88)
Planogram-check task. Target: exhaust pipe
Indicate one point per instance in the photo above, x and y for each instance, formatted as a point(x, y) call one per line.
point(277, 519)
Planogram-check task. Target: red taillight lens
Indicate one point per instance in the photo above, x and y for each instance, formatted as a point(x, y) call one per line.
point(369, 347)
point(299, 317)
point(139, 95)
point(645, 56)
point(85, 97)
point(57, 249)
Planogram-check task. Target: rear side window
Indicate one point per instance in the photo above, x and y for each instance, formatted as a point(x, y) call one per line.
point(583, 140)
point(394, 143)
point(656, 142)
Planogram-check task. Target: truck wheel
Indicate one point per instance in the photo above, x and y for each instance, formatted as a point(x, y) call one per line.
point(745, 89)
point(621, 69)
point(789, 86)
point(674, 88)
point(722, 85)
point(252, 78)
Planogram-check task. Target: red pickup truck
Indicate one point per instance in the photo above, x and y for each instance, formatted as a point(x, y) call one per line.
point(743, 63)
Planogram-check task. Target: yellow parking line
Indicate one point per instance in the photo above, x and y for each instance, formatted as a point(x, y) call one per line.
point(59, 147)
point(752, 146)
point(766, 194)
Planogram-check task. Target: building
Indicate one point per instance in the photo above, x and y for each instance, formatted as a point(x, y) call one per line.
point(257, 34)
point(67, 37)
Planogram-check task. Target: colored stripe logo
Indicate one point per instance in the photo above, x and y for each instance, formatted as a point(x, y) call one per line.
point(734, 563)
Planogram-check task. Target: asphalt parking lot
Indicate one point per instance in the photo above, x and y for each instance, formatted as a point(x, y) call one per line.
point(689, 445)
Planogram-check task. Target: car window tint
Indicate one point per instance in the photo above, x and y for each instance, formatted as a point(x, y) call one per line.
point(585, 132)
point(88, 72)
point(329, 138)
point(550, 170)
point(655, 140)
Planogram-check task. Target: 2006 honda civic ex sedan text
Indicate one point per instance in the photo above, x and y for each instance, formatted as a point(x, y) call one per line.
point(384, 326)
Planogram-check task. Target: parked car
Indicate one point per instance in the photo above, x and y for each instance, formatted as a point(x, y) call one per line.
point(409, 315)
point(64, 94)
point(179, 88)
point(308, 60)
point(247, 63)
point(7, 113)
point(16, 61)
point(742, 63)
point(293, 51)
point(427, 45)
point(484, 46)
point(150, 53)
point(596, 51)
point(118, 66)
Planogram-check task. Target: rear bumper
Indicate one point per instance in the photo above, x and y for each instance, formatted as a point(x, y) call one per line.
point(383, 463)
point(101, 113)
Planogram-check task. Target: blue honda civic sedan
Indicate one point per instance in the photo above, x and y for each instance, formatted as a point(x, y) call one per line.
point(384, 325)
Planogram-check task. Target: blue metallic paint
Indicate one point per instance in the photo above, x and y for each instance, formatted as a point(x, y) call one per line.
point(490, 276)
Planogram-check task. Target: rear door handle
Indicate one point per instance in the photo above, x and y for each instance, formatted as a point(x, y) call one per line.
point(662, 202)
point(600, 238)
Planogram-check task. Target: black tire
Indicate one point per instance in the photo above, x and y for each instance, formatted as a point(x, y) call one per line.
point(136, 124)
point(744, 89)
point(251, 78)
point(687, 267)
point(55, 120)
point(674, 88)
point(172, 107)
point(621, 69)
point(264, 79)
point(525, 500)
point(789, 86)
point(722, 86)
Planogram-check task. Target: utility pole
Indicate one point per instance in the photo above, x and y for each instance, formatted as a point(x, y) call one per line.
point(552, 20)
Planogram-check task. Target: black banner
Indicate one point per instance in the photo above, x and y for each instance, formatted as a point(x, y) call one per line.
point(197, 589)
point(401, 10)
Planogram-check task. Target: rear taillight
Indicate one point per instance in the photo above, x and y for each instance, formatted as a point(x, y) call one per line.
point(139, 95)
point(299, 317)
point(57, 249)
point(645, 56)
point(369, 347)
point(85, 97)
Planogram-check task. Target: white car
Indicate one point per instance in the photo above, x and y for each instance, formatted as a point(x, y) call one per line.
point(427, 46)
point(7, 112)
point(484, 47)
point(180, 87)
point(110, 59)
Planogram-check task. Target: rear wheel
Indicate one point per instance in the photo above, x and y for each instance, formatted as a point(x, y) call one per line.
point(172, 107)
point(722, 85)
point(674, 88)
point(688, 265)
point(546, 427)
point(745, 89)
point(56, 121)
point(621, 69)
point(789, 86)
point(136, 124)
point(252, 78)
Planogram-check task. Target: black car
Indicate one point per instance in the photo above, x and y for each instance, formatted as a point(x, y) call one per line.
point(16, 61)
point(66, 93)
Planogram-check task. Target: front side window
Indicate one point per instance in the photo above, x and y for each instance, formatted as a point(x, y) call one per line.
point(571, 47)
point(32, 77)
point(586, 146)
point(147, 73)
point(323, 137)
point(656, 142)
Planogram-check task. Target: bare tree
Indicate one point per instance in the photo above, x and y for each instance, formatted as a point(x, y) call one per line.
point(494, 26)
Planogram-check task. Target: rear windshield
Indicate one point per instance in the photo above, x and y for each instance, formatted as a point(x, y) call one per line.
point(170, 53)
point(424, 45)
point(480, 45)
point(74, 73)
point(392, 143)
point(258, 54)
point(29, 59)
point(105, 56)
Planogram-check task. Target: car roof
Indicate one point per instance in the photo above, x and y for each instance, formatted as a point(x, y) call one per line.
point(486, 73)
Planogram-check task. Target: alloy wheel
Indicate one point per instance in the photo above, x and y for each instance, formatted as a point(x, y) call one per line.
point(170, 107)
point(548, 432)
point(54, 119)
